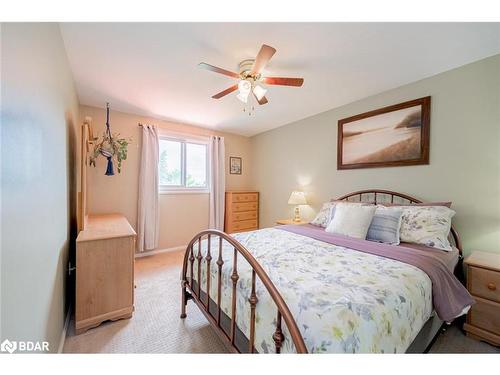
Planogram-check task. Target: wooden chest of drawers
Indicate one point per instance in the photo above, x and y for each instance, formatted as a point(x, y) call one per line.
point(242, 211)
point(483, 282)
point(104, 271)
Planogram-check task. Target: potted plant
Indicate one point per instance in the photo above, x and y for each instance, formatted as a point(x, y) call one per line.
point(111, 147)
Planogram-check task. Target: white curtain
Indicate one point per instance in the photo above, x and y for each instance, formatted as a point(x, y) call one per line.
point(148, 216)
point(217, 183)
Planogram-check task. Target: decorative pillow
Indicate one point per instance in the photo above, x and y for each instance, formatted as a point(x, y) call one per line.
point(323, 217)
point(385, 226)
point(352, 220)
point(429, 226)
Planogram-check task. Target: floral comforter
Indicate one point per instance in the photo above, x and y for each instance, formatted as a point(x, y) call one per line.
point(344, 301)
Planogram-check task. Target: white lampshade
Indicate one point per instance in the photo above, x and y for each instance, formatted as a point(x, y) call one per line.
point(244, 88)
point(259, 92)
point(297, 197)
point(243, 97)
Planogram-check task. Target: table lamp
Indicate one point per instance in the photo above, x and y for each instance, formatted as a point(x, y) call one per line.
point(297, 198)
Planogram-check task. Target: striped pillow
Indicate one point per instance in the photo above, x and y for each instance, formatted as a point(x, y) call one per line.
point(385, 226)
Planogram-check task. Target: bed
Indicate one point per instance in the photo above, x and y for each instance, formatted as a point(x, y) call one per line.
point(295, 289)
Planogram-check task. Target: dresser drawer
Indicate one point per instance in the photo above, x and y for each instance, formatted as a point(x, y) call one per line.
point(244, 225)
point(242, 211)
point(245, 197)
point(239, 216)
point(484, 283)
point(240, 207)
point(486, 315)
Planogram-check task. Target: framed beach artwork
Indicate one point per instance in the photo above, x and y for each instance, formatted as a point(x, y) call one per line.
point(234, 165)
point(397, 135)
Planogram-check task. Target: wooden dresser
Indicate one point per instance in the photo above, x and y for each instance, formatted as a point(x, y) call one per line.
point(104, 271)
point(242, 211)
point(483, 282)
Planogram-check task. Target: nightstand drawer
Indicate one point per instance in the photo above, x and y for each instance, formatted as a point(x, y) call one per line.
point(486, 315)
point(245, 197)
point(239, 216)
point(484, 283)
point(242, 225)
point(240, 207)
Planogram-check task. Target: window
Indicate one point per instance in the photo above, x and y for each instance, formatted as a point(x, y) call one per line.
point(183, 165)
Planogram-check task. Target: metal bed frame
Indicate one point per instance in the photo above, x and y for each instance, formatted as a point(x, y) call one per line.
point(225, 326)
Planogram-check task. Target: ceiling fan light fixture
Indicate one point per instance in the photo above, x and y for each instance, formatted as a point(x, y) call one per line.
point(259, 92)
point(243, 97)
point(250, 74)
point(244, 88)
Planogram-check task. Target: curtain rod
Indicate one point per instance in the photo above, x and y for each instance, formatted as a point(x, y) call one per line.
point(181, 133)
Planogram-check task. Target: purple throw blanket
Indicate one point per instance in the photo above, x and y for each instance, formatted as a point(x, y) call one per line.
point(449, 296)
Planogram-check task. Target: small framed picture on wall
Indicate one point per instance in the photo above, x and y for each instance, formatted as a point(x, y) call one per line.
point(234, 165)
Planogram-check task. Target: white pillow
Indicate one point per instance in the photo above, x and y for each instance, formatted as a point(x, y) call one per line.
point(351, 220)
point(325, 215)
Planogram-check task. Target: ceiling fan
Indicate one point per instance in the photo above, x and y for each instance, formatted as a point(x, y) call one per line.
point(250, 77)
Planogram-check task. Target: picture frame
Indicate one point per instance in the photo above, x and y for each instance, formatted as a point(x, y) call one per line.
point(235, 164)
point(397, 135)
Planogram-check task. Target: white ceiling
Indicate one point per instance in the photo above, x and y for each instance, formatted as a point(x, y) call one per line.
point(151, 68)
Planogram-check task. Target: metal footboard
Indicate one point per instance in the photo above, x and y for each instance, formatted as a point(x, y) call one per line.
point(191, 289)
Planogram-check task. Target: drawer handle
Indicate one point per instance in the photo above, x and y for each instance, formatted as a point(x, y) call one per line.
point(492, 286)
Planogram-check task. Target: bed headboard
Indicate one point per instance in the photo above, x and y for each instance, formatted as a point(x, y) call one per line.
point(386, 196)
point(86, 138)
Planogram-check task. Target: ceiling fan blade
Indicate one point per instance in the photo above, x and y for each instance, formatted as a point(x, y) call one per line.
point(283, 81)
point(218, 70)
point(262, 101)
point(263, 57)
point(225, 92)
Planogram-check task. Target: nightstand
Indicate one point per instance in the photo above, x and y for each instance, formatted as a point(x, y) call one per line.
point(483, 282)
point(290, 222)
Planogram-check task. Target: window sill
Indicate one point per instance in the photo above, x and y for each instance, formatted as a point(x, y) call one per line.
point(184, 191)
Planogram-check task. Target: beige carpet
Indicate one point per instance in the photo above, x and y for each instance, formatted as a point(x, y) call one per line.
point(157, 328)
point(455, 341)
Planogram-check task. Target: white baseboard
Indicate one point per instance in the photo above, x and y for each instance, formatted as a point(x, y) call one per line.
point(159, 251)
point(65, 331)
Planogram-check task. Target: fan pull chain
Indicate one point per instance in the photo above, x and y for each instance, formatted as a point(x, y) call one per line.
point(250, 110)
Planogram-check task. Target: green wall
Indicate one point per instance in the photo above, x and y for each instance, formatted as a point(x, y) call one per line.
point(464, 154)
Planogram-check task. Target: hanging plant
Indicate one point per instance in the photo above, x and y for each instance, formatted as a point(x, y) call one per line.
point(111, 147)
